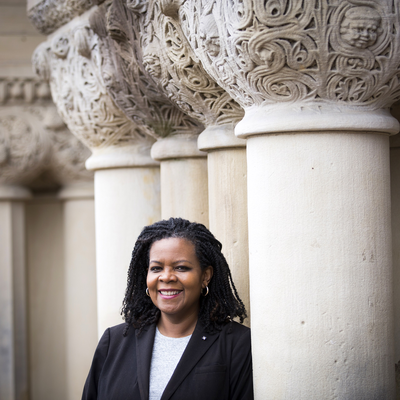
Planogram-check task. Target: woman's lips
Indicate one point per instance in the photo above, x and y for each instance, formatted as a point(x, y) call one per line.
point(169, 294)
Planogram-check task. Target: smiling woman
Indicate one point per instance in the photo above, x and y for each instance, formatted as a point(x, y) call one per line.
point(179, 339)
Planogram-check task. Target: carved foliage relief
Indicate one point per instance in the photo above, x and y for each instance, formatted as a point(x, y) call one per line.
point(37, 150)
point(169, 59)
point(271, 51)
point(71, 61)
point(127, 79)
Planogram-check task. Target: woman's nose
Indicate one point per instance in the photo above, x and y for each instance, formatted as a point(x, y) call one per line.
point(167, 275)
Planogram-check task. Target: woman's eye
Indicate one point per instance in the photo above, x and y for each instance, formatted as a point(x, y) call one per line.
point(182, 268)
point(155, 269)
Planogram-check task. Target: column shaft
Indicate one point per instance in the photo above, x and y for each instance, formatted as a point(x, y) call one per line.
point(184, 191)
point(320, 266)
point(13, 327)
point(80, 284)
point(126, 200)
point(227, 183)
point(395, 197)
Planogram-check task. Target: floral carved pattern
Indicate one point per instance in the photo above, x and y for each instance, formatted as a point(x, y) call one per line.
point(274, 51)
point(127, 80)
point(37, 150)
point(169, 59)
point(71, 61)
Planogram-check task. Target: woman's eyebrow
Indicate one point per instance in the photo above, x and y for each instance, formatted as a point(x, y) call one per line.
point(179, 261)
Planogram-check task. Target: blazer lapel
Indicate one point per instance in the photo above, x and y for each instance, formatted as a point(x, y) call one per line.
point(198, 344)
point(144, 349)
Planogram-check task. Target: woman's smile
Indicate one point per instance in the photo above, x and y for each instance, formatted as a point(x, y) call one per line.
point(169, 294)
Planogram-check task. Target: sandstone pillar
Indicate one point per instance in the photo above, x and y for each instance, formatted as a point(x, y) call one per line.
point(314, 83)
point(227, 185)
point(80, 283)
point(127, 199)
point(126, 178)
point(183, 169)
point(13, 315)
point(395, 200)
point(25, 154)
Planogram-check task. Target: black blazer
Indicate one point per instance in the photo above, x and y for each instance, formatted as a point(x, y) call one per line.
point(213, 366)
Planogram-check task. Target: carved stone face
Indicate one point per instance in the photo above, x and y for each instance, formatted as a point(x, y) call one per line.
point(360, 27)
point(152, 64)
point(209, 35)
point(60, 46)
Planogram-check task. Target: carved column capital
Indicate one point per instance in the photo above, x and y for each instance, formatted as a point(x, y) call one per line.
point(295, 65)
point(36, 148)
point(129, 79)
point(169, 59)
point(71, 60)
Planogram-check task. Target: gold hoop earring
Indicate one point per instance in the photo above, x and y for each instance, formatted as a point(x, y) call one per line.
point(147, 292)
point(207, 291)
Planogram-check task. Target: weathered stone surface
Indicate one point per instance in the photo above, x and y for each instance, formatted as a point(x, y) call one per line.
point(37, 150)
point(71, 61)
point(169, 59)
point(285, 51)
point(48, 15)
point(126, 78)
point(282, 58)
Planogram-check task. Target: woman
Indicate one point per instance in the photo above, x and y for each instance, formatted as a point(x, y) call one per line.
point(178, 341)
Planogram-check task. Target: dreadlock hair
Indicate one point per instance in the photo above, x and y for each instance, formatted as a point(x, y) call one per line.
point(220, 306)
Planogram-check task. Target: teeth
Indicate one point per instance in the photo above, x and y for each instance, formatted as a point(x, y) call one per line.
point(169, 292)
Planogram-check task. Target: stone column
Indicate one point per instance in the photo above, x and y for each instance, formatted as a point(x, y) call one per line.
point(13, 316)
point(80, 287)
point(126, 178)
point(318, 186)
point(183, 166)
point(227, 185)
point(24, 150)
point(395, 198)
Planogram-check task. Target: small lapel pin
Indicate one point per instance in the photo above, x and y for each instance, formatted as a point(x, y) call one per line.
point(204, 338)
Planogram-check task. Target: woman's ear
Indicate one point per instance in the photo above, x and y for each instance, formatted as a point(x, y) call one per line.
point(207, 275)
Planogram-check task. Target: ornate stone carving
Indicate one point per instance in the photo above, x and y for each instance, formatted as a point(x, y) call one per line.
point(169, 59)
point(36, 149)
point(127, 80)
point(49, 15)
point(72, 61)
point(284, 51)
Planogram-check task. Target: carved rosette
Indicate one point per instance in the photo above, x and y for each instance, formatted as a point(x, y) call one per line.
point(305, 59)
point(130, 83)
point(71, 61)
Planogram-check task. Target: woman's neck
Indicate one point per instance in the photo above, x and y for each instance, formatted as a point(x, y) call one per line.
point(169, 326)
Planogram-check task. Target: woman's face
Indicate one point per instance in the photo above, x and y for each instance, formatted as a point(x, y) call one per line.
point(175, 278)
